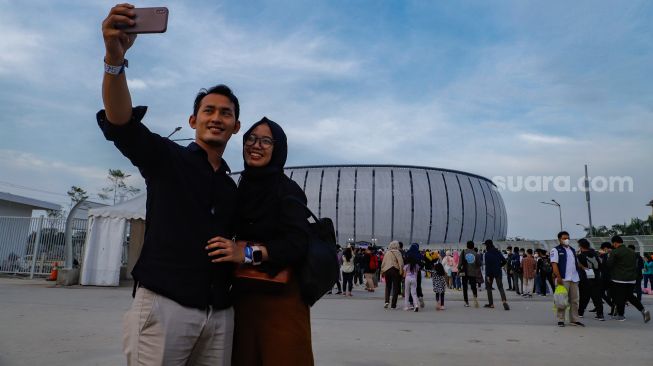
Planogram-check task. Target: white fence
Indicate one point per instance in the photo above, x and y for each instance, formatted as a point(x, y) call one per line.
point(31, 246)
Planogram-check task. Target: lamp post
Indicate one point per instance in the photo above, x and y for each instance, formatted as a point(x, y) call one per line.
point(555, 203)
point(589, 233)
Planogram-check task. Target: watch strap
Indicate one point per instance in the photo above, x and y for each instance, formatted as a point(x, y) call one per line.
point(115, 70)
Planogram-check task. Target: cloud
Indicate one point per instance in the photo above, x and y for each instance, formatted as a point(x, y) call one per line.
point(544, 139)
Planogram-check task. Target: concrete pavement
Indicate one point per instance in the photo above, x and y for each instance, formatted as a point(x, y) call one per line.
point(41, 324)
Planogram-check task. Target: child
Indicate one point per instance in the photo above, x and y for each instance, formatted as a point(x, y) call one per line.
point(411, 269)
point(439, 285)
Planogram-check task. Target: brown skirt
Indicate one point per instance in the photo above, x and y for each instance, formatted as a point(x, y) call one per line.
point(272, 329)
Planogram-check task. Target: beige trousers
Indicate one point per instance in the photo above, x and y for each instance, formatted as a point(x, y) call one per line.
point(574, 296)
point(159, 331)
point(369, 281)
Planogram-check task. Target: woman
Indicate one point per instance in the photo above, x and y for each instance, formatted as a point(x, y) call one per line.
point(391, 268)
point(272, 323)
point(347, 271)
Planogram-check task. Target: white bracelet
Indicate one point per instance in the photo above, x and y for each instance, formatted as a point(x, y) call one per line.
point(115, 70)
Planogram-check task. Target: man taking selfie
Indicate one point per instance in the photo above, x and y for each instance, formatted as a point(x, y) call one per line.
point(181, 313)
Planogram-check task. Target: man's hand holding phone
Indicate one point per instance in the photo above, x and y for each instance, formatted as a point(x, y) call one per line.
point(117, 41)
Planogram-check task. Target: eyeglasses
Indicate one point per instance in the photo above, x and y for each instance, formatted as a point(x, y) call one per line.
point(266, 142)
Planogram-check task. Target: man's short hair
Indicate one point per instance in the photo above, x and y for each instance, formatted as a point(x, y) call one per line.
point(606, 245)
point(218, 89)
point(515, 250)
point(617, 239)
point(584, 243)
point(470, 245)
point(529, 251)
point(631, 247)
point(560, 234)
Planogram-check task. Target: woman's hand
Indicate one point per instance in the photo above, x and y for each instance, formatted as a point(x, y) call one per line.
point(226, 250)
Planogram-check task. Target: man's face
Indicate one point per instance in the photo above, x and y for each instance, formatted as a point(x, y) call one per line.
point(564, 239)
point(215, 121)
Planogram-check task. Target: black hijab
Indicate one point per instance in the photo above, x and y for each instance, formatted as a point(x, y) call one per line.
point(259, 188)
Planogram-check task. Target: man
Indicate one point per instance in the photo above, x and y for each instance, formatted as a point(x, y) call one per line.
point(640, 272)
point(515, 267)
point(181, 313)
point(508, 268)
point(370, 263)
point(528, 268)
point(623, 271)
point(494, 260)
point(606, 282)
point(565, 270)
point(590, 284)
point(468, 267)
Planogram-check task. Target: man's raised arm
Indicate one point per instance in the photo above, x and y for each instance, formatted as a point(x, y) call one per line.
point(115, 93)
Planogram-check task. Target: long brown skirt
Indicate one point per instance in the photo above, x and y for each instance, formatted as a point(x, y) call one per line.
point(272, 329)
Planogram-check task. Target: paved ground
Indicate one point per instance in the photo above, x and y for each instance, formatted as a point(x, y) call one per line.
point(44, 325)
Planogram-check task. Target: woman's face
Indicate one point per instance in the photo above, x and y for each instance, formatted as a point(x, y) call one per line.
point(259, 146)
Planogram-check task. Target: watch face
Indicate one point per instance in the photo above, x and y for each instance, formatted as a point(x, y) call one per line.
point(257, 256)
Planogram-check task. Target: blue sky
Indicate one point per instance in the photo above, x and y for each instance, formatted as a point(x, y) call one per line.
point(495, 88)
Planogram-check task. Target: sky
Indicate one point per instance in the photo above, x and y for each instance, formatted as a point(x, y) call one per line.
point(495, 88)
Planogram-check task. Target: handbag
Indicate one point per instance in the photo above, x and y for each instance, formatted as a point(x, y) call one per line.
point(320, 269)
point(249, 272)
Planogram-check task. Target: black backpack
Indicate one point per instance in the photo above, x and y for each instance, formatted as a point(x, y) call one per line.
point(320, 269)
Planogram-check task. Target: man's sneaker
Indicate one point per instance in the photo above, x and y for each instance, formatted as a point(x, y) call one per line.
point(647, 316)
point(599, 318)
point(416, 309)
point(466, 305)
point(561, 324)
point(386, 305)
point(580, 316)
point(578, 324)
point(505, 306)
point(619, 318)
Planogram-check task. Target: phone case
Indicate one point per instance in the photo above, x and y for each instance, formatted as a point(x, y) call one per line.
point(149, 20)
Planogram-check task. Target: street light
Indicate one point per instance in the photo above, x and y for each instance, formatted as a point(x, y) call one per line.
point(555, 203)
point(589, 234)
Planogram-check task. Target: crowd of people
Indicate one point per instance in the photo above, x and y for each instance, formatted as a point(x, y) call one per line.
point(613, 275)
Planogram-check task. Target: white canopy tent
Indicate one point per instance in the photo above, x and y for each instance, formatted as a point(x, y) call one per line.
point(104, 241)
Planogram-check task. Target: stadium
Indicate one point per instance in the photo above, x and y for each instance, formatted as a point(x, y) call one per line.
point(412, 204)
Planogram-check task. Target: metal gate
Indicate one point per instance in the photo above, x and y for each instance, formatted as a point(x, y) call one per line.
point(31, 245)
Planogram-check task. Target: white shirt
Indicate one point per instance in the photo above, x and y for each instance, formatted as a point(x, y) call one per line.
point(571, 274)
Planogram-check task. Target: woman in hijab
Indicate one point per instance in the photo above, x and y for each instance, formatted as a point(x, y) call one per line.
point(272, 323)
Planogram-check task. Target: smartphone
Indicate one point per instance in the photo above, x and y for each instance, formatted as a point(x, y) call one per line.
point(148, 20)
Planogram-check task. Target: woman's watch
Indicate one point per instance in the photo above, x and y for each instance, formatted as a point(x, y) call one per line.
point(257, 255)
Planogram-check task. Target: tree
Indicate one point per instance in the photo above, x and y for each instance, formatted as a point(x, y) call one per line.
point(76, 194)
point(118, 188)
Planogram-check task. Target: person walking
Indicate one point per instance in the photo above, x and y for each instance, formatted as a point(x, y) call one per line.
point(514, 261)
point(648, 273)
point(528, 268)
point(590, 284)
point(411, 271)
point(392, 269)
point(347, 271)
point(438, 277)
point(565, 269)
point(623, 271)
point(370, 263)
point(494, 260)
point(468, 268)
point(414, 252)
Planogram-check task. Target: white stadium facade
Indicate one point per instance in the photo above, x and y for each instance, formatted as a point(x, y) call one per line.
point(412, 204)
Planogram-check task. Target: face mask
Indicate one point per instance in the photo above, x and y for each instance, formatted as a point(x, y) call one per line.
point(565, 242)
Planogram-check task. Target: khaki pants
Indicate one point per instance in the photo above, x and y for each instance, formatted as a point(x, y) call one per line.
point(572, 289)
point(159, 331)
point(369, 281)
